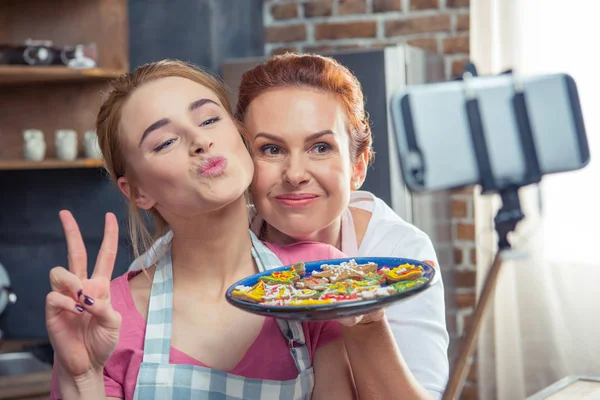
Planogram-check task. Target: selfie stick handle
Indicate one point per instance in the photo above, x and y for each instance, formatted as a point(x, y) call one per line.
point(505, 221)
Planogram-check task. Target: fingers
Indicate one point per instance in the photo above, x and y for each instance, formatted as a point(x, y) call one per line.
point(75, 247)
point(103, 312)
point(105, 263)
point(106, 316)
point(374, 316)
point(57, 302)
point(350, 321)
point(65, 282)
point(429, 262)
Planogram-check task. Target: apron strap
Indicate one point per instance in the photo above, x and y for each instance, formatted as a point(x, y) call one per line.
point(292, 330)
point(265, 259)
point(294, 333)
point(157, 341)
point(349, 242)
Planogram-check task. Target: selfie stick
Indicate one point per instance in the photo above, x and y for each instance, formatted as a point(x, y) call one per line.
point(506, 219)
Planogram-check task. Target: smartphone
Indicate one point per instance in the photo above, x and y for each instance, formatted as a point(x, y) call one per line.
point(434, 136)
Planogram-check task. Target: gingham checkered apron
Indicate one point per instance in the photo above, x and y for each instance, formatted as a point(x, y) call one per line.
point(159, 380)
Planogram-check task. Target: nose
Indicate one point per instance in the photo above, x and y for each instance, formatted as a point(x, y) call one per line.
point(201, 144)
point(295, 172)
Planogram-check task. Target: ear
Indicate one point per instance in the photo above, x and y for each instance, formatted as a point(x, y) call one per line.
point(360, 172)
point(141, 200)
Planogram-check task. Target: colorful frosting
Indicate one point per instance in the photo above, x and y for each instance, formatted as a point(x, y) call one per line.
point(347, 281)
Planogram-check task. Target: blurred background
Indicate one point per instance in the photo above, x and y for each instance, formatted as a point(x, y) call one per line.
point(56, 57)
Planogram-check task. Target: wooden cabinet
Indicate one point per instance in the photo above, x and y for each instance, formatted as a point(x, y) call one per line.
point(51, 98)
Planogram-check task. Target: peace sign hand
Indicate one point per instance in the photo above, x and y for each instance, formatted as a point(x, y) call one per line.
point(81, 323)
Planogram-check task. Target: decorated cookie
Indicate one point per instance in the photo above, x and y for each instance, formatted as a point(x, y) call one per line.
point(404, 272)
point(380, 291)
point(253, 294)
point(346, 270)
point(278, 291)
point(313, 283)
point(377, 276)
point(294, 274)
point(403, 286)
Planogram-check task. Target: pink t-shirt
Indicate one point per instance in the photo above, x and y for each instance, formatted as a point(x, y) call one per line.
point(270, 348)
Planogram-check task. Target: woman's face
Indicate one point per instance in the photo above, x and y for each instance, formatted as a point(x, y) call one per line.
point(303, 169)
point(183, 149)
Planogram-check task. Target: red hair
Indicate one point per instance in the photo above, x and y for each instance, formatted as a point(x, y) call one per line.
point(314, 71)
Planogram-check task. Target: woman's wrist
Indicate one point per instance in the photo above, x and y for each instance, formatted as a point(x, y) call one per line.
point(367, 330)
point(90, 382)
point(375, 357)
point(89, 385)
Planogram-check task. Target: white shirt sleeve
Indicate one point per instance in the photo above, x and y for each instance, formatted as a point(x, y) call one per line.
point(419, 323)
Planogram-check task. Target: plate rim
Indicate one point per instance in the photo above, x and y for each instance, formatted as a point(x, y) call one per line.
point(275, 310)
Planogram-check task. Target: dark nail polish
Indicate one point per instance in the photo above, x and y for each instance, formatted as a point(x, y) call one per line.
point(79, 308)
point(88, 300)
point(79, 293)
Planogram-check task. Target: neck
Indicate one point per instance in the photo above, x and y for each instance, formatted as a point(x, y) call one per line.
point(211, 252)
point(329, 235)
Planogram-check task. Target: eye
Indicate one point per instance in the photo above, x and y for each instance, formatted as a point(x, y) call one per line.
point(210, 121)
point(270, 150)
point(164, 144)
point(321, 148)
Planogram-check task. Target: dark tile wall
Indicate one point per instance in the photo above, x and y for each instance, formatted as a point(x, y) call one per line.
point(32, 240)
point(205, 32)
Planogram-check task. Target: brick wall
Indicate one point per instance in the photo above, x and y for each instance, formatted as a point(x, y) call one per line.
point(464, 237)
point(440, 26)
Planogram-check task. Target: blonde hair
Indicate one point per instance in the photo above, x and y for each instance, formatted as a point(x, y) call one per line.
point(109, 136)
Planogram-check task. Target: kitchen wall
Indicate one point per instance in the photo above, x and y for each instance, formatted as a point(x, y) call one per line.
point(439, 26)
point(32, 241)
point(205, 32)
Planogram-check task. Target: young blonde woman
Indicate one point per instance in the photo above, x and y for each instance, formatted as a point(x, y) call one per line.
point(174, 150)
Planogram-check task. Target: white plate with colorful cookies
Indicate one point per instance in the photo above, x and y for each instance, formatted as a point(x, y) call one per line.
point(331, 289)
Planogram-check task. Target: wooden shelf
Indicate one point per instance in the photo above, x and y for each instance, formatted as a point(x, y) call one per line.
point(15, 75)
point(50, 164)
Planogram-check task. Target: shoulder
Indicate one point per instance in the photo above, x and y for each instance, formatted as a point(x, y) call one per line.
point(387, 234)
point(126, 293)
point(119, 288)
point(304, 251)
point(123, 286)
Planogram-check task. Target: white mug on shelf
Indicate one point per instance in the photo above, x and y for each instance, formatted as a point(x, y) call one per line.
point(90, 145)
point(34, 145)
point(65, 143)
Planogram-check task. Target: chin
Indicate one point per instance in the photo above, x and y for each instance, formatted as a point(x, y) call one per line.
point(224, 201)
point(300, 233)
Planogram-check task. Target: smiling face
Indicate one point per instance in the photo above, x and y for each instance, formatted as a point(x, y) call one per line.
point(184, 153)
point(304, 172)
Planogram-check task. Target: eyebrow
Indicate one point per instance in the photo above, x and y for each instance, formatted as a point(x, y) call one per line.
point(165, 121)
point(312, 137)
